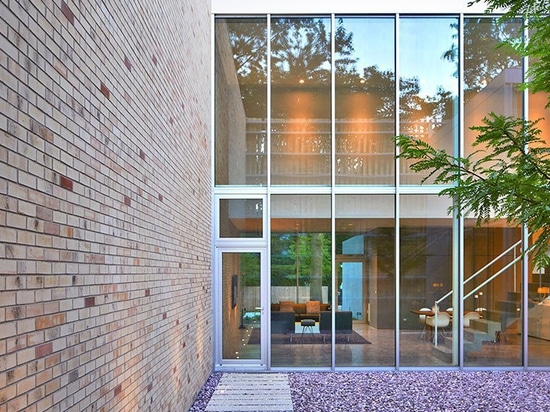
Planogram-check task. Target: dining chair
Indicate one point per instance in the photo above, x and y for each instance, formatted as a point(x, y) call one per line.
point(422, 320)
point(443, 321)
point(469, 317)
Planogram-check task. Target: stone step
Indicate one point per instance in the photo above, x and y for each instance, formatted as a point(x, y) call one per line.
point(509, 306)
point(490, 327)
point(251, 392)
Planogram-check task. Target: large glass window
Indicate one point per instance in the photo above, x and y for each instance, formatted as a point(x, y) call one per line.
point(428, 84)
point(491, 74)
point(365, 100)
point(240, 218)
point(301, 274)
point(241, 101)
point(300, 101)
point(385, 295)
point(426, 282)
point(365, 261)
point(240, 309)
point(538, 315)
point(492, 294)
point(538, 288)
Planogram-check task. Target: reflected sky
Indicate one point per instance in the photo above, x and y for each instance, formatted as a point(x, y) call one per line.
point(423, 41)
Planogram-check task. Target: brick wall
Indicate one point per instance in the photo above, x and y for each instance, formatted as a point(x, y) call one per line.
point(105, 233)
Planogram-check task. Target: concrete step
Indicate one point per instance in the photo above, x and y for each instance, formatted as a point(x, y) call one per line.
point(489, 327)
point(443, 352)
point(251, 392)
point(509, 306)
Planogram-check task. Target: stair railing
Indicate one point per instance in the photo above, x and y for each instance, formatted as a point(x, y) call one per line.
point(483, 269)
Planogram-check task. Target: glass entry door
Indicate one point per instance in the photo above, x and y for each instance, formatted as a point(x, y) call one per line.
point(242, 310)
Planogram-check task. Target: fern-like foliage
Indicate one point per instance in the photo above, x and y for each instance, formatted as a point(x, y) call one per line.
point(508, 176)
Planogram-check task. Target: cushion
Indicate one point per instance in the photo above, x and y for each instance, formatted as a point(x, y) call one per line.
point(313, 306)
point(300, 308)
point(287, 306)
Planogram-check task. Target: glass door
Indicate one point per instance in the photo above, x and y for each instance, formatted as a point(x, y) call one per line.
point(241, 311)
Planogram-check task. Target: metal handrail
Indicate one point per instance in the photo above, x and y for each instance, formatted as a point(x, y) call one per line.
point(493, 261)
point(497, 274)
point(441, 299)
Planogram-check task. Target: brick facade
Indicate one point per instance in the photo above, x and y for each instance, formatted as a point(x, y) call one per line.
point(105, 211)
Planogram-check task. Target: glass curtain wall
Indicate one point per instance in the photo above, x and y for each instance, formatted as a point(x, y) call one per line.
point(427, 335)
point(300, 101)
point(241, 102)
point(365, 281)
point(365, 101)
point(428, 85)
point(301, 286)
point(492, 294)
point(538, 287)
point(306, 108)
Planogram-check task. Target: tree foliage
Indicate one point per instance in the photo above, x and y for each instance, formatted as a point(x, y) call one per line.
point(508, 176)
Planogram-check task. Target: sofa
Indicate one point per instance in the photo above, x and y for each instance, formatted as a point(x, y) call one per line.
point(344, 323)
point(308, 310)
point(282, 323)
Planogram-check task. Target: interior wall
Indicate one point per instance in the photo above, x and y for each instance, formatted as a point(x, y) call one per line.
point(105, 218)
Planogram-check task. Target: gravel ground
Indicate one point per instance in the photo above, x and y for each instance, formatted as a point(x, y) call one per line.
point(411, 391)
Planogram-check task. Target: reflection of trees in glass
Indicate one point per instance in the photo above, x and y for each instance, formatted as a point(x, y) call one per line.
point(483, 59)
point(303, 258)
point(301, 112)
point(248, 39)
point(300, 50)
point(249, 267)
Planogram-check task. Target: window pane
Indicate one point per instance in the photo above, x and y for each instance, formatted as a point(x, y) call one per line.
point(365, 257)
point(489, 254)
point(300, 279)
point(365, 101)
point(241, 305)
point(241, 96)
point(491, 74)
point(241, 218)
point(538, 110)
point(428, 103)
point(300, 98)
point(426, 266)
point(539, 280)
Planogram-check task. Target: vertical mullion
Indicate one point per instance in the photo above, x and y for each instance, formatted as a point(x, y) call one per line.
point(397, 199)
point(267, 204)
point(332, 183)
point(525, 236)
point(458, 221)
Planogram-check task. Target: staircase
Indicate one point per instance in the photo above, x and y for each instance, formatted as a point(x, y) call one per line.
point(491, 327)
point(498, 323)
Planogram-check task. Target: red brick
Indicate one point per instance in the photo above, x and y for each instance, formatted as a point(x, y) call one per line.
point(44, 322)
point(66, 183)
point(67, 12)
point(43, 350)
point(105, 90)
point(127, 63)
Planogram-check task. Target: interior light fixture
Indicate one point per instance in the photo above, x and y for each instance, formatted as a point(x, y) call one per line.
point(301, 81)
